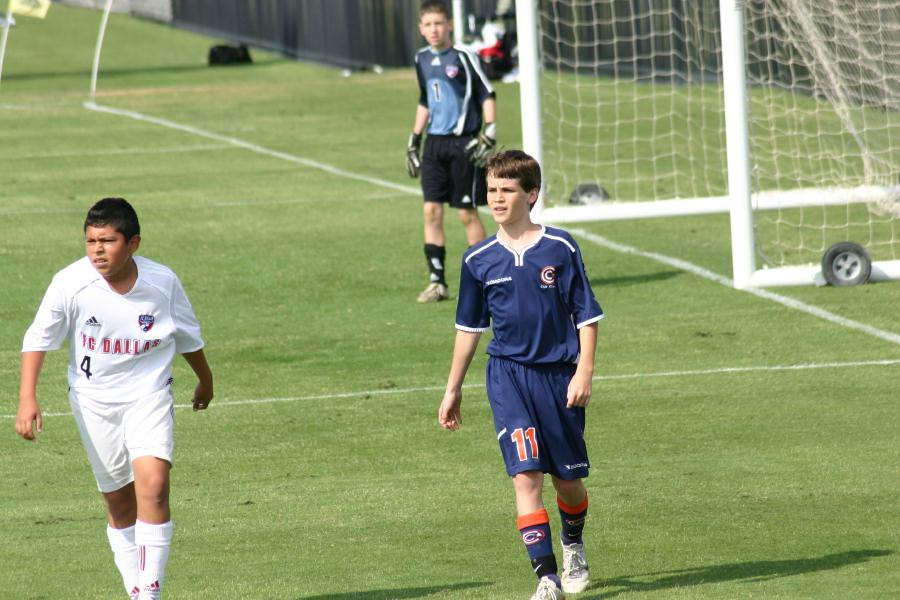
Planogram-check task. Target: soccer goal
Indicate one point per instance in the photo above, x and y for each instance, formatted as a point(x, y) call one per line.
point(783, 113)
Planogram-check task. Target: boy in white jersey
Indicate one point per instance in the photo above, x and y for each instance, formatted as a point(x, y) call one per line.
point(124, 318)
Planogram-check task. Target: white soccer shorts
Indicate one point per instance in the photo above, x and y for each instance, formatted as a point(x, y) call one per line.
point(115, 434)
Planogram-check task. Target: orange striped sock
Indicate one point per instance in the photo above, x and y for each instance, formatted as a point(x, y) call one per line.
point(572, 518)
point(535, 530)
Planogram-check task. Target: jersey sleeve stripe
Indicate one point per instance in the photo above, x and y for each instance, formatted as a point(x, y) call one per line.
point(479, 250)
point(589, 321)
point(461, 122)
point(561, 239)
point(476, 66)
point(472, 329)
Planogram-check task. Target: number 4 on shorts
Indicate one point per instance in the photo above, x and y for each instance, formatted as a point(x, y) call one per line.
point(519, 437)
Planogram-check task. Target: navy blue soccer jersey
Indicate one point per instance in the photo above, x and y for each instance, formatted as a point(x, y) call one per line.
point(535, 300)
point(452, 86)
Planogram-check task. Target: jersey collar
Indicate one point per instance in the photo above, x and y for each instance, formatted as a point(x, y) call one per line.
point(440, 52)
point(520, 255)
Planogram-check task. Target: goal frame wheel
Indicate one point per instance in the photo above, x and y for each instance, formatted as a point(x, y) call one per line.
point(846, 264)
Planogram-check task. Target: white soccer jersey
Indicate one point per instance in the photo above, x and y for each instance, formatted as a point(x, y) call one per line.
point(121, 346)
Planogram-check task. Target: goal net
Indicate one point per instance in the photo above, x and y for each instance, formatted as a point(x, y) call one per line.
point(632, 100)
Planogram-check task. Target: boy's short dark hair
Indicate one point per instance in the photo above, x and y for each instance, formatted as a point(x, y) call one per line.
point(116, 213)
point(434, 6)
point(515, 164)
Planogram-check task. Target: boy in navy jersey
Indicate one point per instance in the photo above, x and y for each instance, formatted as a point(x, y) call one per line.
point(528, 284)
point(455, 97)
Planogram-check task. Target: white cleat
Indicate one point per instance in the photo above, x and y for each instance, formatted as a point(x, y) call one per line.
point(548, 590)
point(575, 574)
point(435, 292)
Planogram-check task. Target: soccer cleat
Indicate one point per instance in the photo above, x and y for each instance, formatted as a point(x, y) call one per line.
point(548, 590)
point(575, 574)
point(435, 292)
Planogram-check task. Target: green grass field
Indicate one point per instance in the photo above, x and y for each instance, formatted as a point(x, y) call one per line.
point(741, 448)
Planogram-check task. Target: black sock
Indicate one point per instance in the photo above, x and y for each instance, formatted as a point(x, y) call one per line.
point(544, 566)
point(434, 256)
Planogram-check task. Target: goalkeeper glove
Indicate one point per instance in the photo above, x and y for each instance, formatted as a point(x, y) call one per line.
point(412, 154)
point(480, 147)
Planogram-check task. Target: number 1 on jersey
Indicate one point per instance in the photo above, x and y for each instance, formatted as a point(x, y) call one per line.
point(86, 366)
point(519, 436)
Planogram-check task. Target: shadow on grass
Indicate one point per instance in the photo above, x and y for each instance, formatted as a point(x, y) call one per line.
point(748, 572)
point(633, 279)
point(400, 594)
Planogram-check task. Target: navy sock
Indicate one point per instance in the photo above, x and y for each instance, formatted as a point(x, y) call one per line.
point(535, 530)
point(572, 518)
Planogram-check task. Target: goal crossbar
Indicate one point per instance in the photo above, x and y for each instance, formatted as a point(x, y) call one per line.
point(766, 200)
point(674, 93)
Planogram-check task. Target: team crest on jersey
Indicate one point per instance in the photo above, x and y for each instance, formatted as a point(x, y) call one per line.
point(145, 322)
point(548, 276)
point(451, 71)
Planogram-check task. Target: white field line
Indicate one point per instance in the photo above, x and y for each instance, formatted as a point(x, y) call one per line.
point(42, 106)
point(42, 210)
point(815, 311)
point(253, 148)
point(119, 152)
point(435, 388)
point(680, 264)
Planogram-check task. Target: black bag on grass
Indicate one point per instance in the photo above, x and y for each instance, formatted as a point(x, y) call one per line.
point(229, 55)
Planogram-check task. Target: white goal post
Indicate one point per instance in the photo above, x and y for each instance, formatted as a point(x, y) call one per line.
point(789, 122)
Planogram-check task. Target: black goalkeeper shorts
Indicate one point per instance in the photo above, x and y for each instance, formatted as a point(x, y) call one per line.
point(449, 176)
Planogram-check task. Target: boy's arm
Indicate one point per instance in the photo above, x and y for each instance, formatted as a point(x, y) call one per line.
point(203, 393)
point(421, 120)
point(29, 414)
point(489, 110)
point(449, 415)
point(579, 392)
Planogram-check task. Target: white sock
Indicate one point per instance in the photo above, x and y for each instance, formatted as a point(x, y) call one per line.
point(125, 555)
point(153, 543)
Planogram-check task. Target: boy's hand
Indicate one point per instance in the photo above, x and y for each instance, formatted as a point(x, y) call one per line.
point(480, 147)
point(449, 415)
point(27, 417)
point(412, 155)
point(580, 390)
point(203, 395)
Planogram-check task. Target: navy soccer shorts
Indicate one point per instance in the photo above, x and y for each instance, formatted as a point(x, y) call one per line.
point(449, 176)
point(535, 430)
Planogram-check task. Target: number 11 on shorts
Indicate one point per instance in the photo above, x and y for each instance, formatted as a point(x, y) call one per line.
point(519, 436)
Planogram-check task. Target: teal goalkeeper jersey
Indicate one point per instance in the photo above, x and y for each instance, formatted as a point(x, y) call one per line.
point(453, 87)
